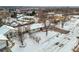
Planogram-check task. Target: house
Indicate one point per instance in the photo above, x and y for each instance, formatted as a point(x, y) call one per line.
point(36, 27)
point(50, 14)
point(6, 33)
point(7, 30)
point(8, 20)
point(26, 19)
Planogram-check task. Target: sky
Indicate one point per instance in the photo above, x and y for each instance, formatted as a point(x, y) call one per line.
point(39, 3)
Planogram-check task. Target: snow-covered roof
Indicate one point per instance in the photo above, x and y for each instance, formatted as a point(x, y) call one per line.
point(51, 13)
point(2, 37)
point(36, 25)
point(4, 29)
point(58, 14)
point(28, 16)
point(14, 24)
point(76, 16)
point(29, 11)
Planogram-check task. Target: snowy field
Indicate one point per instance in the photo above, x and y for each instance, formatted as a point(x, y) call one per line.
point(53, 42)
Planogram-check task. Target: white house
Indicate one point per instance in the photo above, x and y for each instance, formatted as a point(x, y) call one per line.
point(6, 29)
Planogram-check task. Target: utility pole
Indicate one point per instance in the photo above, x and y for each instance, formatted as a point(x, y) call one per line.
point(47, 24)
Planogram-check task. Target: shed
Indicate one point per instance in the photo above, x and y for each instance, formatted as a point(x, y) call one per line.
point(36, 26)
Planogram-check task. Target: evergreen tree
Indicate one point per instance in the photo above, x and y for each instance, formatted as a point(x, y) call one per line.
point(1, 23)
point(33, 13)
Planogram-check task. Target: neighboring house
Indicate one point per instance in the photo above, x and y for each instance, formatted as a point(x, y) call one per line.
point(26, 20)
point(4, 30)
point(5, 35)
point(50, 14)
point(8, 31)
point(8, 20)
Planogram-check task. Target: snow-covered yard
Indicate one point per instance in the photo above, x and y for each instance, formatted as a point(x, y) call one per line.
point(53, 42)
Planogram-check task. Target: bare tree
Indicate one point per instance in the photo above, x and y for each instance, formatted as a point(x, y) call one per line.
point(20, 34)
point(42, 18)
